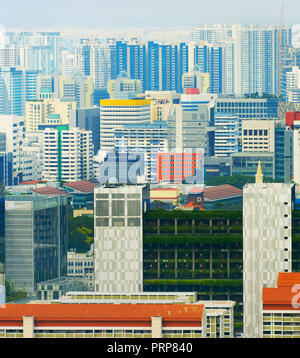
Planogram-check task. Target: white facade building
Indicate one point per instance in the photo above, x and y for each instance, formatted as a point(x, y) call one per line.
point(258, 136)
point(118, 244)
point(267, 245)
point(14, 128)
point(116, 112)
point(68, 154)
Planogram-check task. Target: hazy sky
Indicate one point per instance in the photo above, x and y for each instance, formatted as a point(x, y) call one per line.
point(144, 13)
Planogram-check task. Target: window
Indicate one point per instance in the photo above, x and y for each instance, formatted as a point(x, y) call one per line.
point(134, 222)
point(134, 208)
point(102, 208)
point(102, 222)
point(118, 222)
point(118, 208)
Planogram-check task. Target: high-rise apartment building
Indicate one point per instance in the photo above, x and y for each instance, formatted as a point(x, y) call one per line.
point(68, 154)
point(226, 134)
point(12, 91)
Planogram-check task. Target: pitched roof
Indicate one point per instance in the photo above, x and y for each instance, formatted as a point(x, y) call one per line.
point(101, 312)
point(82, 185)
point(288, 279)
point(279, 298)
point(284, 296)
point(195, 190)
point(221, 192)
point(48, 190)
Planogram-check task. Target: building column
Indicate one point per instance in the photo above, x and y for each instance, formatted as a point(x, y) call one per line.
point(193, 260)
point(176, 226)
point(158, 260)
point(156, 325)
point(176, 261)
point(228, 260)
point(28, 327)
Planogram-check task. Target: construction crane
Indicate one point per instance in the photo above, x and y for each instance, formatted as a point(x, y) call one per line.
point(279, 49)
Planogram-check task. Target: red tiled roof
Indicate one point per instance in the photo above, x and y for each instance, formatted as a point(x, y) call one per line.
point(221, 192)
point(82, 185)
point(81, 314)
point(288, 279)
point(48, 190)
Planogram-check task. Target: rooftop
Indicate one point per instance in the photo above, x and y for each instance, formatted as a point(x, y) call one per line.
point(81, 314)
point(82, 185)
point(221, 192)
point(48, 190)
point(288, 279)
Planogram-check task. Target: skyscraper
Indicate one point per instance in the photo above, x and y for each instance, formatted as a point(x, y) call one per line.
point(35, 240)
point(267, 244)
point(118, 244)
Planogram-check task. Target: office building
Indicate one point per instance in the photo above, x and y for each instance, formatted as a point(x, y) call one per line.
point(258, 136)
point(245, 164)
point(267, 244)
point(6, 168)
point(248, 108)
point(88, 119)
point(118, 243)
point(190, 124)
point(116, 112)
point(35, 240)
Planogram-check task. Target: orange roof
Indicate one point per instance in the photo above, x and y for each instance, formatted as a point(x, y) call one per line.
point(288, 279)
point(283, 296)
point(279, 298)
point(101, 312)
point(193, 205)
point(33, 182)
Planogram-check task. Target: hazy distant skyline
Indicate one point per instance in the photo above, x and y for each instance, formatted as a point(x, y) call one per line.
point(136, 13)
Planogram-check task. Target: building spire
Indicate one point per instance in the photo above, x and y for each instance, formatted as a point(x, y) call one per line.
point(259, 174)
